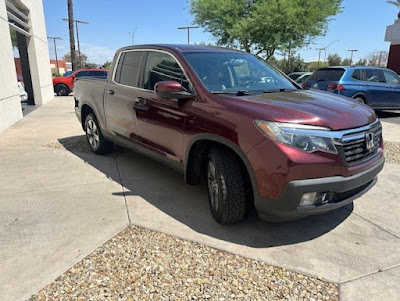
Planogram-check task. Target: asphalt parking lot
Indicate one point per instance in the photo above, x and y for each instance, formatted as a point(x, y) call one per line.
point(59, 202)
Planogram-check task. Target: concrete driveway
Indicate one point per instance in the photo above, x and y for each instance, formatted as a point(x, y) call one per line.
point(58, 202)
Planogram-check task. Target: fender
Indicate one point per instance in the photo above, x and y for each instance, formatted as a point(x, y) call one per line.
point(231, 145)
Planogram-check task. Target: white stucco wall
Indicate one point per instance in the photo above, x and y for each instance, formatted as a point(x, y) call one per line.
point(10, 105)
point(38, 51)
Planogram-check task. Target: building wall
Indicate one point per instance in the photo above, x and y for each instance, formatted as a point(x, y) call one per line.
point(10, 103)
point(10, 106)
point(38, 52)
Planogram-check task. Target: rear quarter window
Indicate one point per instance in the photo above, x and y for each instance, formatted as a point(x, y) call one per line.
point(328, 75)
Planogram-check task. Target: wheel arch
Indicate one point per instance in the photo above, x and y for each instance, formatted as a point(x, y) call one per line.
point(195, 155)
point(361, 95)
point(86, 109)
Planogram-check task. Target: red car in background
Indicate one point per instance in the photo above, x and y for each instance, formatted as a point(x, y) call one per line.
point(63, 86)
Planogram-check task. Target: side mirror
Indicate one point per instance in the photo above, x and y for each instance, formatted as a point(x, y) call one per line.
point(171, 90)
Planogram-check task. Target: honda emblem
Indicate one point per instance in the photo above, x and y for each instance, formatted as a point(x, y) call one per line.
point(370, 140)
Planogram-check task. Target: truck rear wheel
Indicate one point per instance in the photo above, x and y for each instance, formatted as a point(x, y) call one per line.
point(97, 143)
point(61, 90)
point(226, 187)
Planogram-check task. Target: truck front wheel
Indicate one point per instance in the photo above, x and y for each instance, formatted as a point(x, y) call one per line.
point(226, 186)
point(97, 143)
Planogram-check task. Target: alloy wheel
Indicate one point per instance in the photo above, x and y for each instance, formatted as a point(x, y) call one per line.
point(212, 182)
point(92, 134)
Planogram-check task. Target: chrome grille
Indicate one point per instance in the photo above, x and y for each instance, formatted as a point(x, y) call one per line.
point(354, 147)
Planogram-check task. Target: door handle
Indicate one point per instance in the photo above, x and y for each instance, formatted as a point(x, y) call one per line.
point(111, 92)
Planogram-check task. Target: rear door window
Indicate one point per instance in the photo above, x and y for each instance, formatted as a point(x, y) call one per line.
point(374, 75)
point(128, 68)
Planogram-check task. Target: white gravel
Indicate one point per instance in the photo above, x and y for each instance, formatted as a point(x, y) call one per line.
point(140, 264)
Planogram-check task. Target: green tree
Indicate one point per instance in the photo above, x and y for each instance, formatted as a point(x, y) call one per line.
point(361, 62)
point(79, 63)
point(295, 64)
point(346, 62)
point(334, 60)
point(107, 65)
point(265, 26)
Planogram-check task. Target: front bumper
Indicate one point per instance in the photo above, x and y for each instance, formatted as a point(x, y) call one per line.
point(349, 188)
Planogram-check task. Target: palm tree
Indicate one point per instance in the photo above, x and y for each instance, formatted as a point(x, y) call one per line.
point(71, 33)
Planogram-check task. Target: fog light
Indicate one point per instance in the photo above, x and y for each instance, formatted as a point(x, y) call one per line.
point(310, 198)
point(313, 198)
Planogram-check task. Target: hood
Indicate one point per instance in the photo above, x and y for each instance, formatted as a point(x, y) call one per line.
point(310, 107)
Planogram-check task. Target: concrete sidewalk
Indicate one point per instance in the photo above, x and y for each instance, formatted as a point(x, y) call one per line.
point(58, 202)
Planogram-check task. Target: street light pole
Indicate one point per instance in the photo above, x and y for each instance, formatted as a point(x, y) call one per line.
point(133, 35)
point(55, 50)
point(77, 37)
point(319, 55)
point(326, 47)
point(188, 31)
point(351, 57)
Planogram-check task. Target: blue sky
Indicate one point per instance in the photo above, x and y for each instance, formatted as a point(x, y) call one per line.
point(361, 26)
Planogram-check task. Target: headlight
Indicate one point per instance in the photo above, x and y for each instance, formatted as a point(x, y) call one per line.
point(305, 137)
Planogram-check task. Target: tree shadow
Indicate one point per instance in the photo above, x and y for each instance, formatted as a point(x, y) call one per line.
point(165, 189)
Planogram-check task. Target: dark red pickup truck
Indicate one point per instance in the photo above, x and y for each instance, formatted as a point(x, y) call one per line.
point(230, 120)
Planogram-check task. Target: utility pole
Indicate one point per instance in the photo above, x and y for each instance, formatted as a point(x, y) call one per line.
point(77, 37)
point(55, 50)
point(71, 33)
point(132, 34)
point(188, 31)
point(319, 55)
point(351, 57)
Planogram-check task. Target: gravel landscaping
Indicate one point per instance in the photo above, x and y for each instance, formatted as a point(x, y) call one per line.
point(139, 264)
point(392, 152)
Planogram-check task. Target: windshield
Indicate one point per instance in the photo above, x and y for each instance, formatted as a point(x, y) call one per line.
point(230, 72)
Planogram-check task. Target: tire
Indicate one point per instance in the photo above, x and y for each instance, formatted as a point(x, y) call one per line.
point(97, 143)
point(360, 99)
point(226, 186)
point(62, 90)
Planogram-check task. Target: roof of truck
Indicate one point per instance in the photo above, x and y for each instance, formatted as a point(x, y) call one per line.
point(180, 47)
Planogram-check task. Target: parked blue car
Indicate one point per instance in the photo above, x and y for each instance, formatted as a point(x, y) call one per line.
point(377, 87)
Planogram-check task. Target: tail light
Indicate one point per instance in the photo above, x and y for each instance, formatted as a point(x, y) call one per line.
point(337, 87)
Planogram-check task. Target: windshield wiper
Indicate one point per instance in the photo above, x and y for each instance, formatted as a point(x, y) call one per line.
point(274, 91)
point(237, 93)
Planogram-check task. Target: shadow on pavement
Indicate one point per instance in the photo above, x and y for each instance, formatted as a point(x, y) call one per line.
point(389, 116)
point(165, 189)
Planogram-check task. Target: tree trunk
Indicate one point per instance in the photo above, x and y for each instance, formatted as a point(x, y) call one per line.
point(71, 33)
